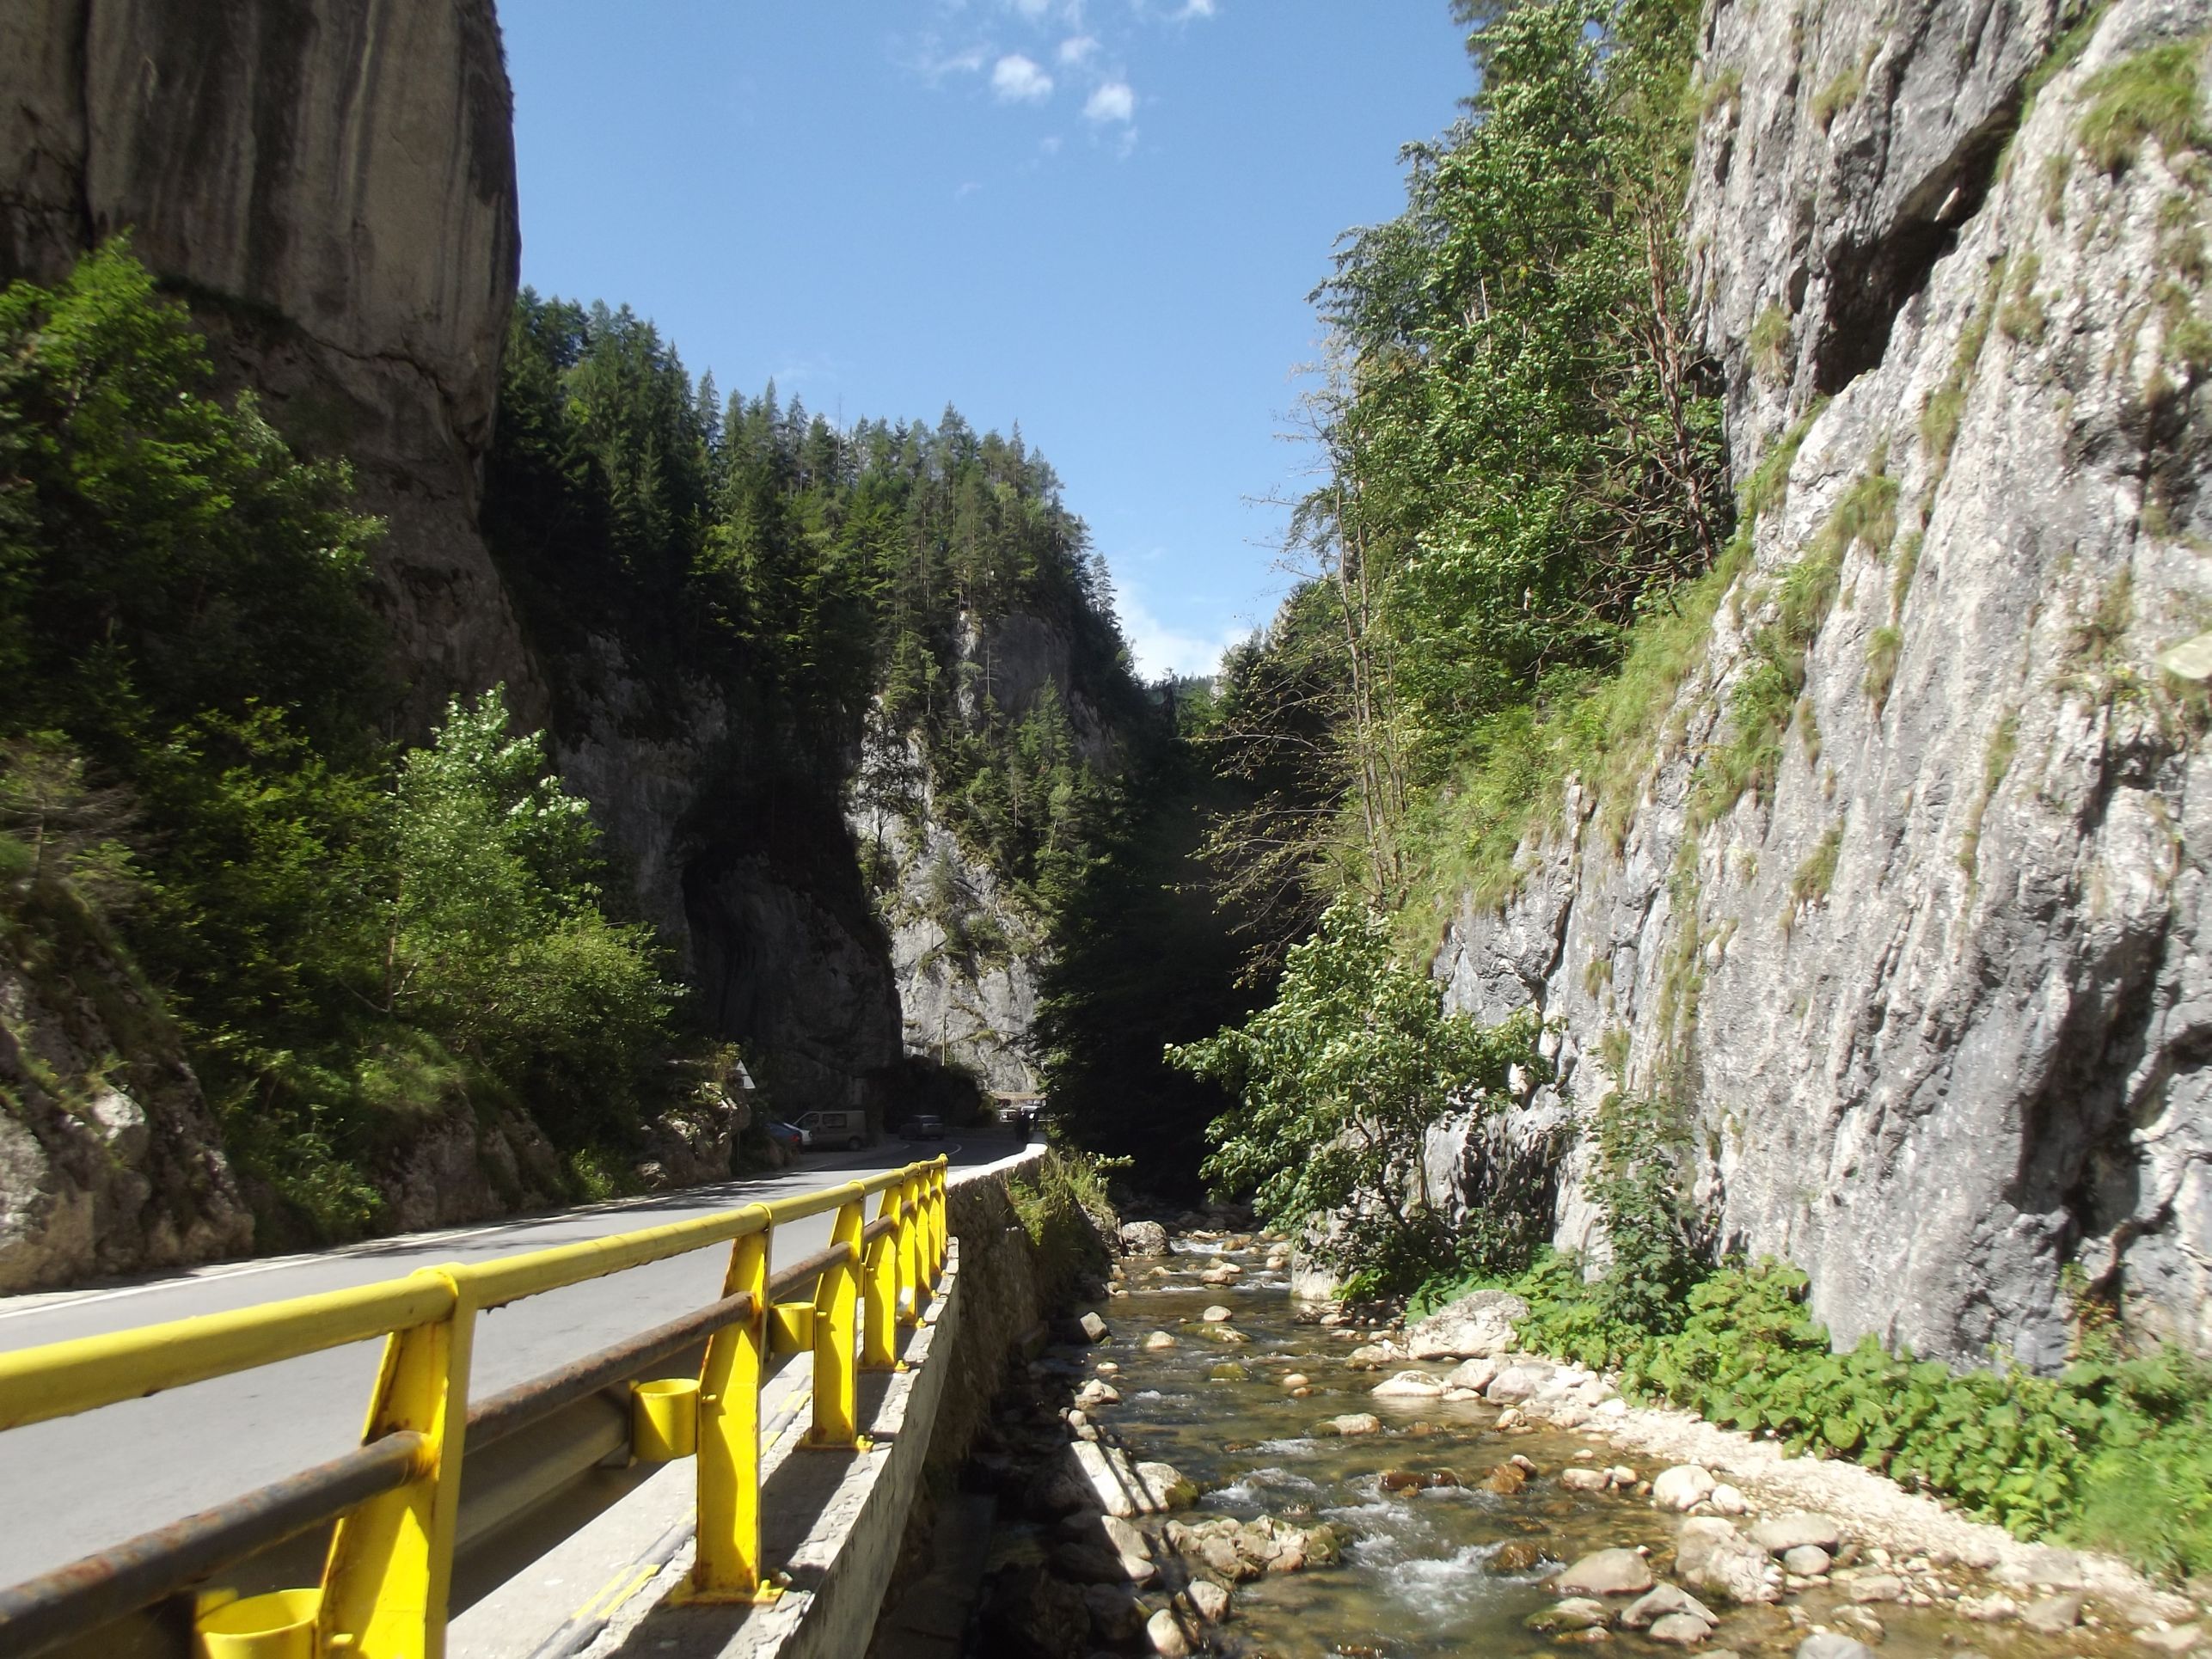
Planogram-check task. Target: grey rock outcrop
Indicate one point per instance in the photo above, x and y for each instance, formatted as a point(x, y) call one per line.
point(108, 1166)
point(331, 184)
point(1933, 1005)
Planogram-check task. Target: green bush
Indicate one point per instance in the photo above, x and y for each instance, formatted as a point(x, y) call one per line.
point(2115, 1453)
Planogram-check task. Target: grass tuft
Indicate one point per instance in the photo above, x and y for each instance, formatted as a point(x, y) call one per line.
point(2149, 96)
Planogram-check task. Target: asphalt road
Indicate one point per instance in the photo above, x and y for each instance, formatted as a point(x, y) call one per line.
point(85, 1483)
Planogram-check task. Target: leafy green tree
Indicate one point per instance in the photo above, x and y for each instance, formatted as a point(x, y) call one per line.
point(495, 939)
point(1337, 1083)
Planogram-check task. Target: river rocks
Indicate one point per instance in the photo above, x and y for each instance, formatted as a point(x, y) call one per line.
point(1217, 1314)
point(1105, 1478)
point(1781, 1533)
point(1029, 1612)
point(1237, 1550)
point(1608, 1572)
point(1505, 1481)
point(1727, 1500)
point(1296, 1381)
point(2172, 1639)
point(1665, 1600)
point(1514, 1384)
point(1408, 1384)
point(1095, 1393)
point(1712, 1555)
point(1575, 1612)
point(1227, 1273)
point(1828, 1644)
point(1682, 1487)
point(1096, 1564)
point(1681, 1630)
point(1515, 1555)
point(1092, 1327)
point(1479, 1326)
point(1165, 1633)
point(2052, 1614)
point(1585, 1480)
point(1879, 1587)
point(1144, 1239)
point(1353, 1422)
point(1208, 1600)
point(1374, 1356)
point(1807, 1560)
point(1157, 1341)
point(1475, 1374)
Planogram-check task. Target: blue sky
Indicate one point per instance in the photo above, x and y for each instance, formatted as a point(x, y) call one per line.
point(1099, 219)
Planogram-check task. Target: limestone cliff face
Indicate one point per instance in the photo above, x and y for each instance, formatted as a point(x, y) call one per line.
point(967, 953)
point(331, 184)
point(1936, 1007)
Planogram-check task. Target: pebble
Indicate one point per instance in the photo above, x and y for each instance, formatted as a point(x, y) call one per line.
point(1357, 1423)
point(1215, 1315)
point(1585, 1480)
point(1297, 1379)
point(1727, 1500)
point(1158, 1340)
point(1517, 1555)
point(1575, 1612)
point(1806, 1560)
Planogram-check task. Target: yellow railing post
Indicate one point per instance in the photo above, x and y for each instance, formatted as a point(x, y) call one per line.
point(879, 1291)
point(390, 1566)
point(728, 1566)
point(912, 1243)
point(837, 1306)
point(937, 1234)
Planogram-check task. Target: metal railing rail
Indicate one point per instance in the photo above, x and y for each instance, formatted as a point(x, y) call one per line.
point(396, 1500)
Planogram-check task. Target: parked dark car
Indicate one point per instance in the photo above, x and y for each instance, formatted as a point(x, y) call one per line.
point(789, 1135)
point(925, 1126)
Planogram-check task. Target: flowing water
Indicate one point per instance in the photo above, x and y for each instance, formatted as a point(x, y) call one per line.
point(1419, 1574)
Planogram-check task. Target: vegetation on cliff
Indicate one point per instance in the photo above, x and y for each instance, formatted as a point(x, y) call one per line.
point(353, 938)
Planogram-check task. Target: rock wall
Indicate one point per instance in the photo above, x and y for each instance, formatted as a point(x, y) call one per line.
point(331, 184)
point(107, 1158)
point(1934, 1007)
point(965, 954)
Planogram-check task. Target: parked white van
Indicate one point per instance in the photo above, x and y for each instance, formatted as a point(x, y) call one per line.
point(830, 1128)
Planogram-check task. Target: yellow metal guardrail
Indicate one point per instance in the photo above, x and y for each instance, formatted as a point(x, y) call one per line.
point(396, 1501)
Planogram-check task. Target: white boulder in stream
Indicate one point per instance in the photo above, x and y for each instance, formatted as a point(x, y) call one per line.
point(1682, 1487)
point(1408, 1384)
point(1712, 1555)
point(1479, 1326)
point(1113, 1482)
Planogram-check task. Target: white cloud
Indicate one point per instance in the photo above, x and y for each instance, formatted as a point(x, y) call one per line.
point(1160, 650)
point(1019, 80)
point(1076, 47)
point(1032, 9)
point(1195, 8)
point(1114, 101)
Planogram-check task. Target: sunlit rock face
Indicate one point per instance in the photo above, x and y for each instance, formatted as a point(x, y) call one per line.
point(1933, 1007)
point(331, 184)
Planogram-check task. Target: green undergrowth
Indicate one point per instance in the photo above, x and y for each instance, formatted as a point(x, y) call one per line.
point(2148, 95)
point(1063, 1207)
point(1464, 837)
point(2115, 1453)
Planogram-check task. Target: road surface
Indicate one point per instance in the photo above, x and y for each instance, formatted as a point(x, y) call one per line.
point(88, 1482)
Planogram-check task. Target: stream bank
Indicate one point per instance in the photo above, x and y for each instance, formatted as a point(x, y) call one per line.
point(1279, 1481)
